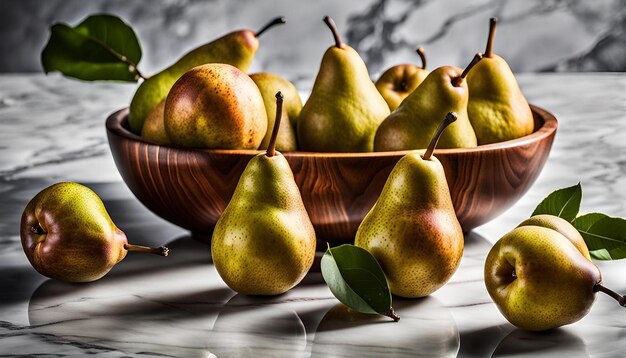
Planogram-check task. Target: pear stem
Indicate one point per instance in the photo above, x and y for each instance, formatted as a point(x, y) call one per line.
point(422, 55)
point(392, 314)
point(163, 251)
point(457, 81)
point(271, 147)
point(277, 21)
point(619, 298)
point(449, 119)
point(333, 28)
point(492, 36)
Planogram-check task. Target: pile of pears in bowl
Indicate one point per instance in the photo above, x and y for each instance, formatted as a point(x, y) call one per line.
point(191, 129)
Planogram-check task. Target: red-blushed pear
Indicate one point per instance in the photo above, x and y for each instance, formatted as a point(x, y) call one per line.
point(264, 242)
point(416, 120)
point(497, 108)
point(412, 229)
point(215, 106)
point(344, 108)
point(68, 235)
point(398, 81)
point(540, 275)
point(236, 48)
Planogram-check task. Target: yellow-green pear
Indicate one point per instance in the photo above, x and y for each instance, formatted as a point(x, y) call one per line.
point(67, 234)
point(412, 229)
point(412, 124)
point(269, 84)
point(236, 48)
point(497, 108)
point(215, 106)
point(154, 126)
point(563, 227)
point(345, 108)
point(398, 81)
point(264, 242)
point(539, 280)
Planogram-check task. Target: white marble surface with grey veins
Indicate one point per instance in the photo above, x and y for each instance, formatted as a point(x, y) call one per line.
point(52, 129)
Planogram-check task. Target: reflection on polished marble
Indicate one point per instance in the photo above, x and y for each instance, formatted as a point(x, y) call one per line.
point(178, 306)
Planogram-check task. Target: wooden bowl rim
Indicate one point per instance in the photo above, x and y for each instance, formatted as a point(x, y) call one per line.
point(116, 121)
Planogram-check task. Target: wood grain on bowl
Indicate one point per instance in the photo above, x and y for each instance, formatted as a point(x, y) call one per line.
point(191, 187)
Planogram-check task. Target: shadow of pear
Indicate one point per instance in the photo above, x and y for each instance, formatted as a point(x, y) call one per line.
point(426, 329)
point(553, 343)
point(257, 327)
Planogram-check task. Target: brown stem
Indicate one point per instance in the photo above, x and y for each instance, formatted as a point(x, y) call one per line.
point(492, 36)
point(163, 251)
point(457, 81)
point(420, 52)
point(277, 21)
point(271, 147)
point(331, 25)
point(392, 314)
point(619, 298)
point(449, 119)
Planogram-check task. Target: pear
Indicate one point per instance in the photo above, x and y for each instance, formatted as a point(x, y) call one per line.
point(344, 108)
point(563, 227)
point(68, 235)
point(269, 84)
point(412, 229)
point(497, 108)
point(215, 106)
point(154, 126)
point(264, 243)
point(412, 124)
point(397, 82)
point(540, 275)
point(236, 48)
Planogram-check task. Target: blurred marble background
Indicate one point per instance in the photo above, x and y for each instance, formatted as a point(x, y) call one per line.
point(533, 35)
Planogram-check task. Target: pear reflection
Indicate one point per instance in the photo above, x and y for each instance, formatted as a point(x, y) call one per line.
point(256, 330)
point(425, 329)
point(140, 307)
point(554, 343)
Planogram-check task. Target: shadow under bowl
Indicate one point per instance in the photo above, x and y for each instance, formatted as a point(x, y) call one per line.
point(191, 187)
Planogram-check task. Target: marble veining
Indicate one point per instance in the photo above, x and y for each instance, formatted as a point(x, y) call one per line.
point(52, 129)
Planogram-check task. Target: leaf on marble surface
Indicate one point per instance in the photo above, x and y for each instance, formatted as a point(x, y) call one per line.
point(605, 236)
point(357, 280)
point(564, 203)
point(102, 47)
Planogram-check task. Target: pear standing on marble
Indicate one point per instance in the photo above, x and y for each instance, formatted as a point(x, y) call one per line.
point(264, 242)
point(68, 235)
point(412, 229)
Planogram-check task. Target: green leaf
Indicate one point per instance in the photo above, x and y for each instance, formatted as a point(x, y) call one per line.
point(357, 280)
point(604, 235)
point(102, 47)
point(564, 203)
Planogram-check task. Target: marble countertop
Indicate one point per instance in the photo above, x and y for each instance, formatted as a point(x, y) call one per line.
point(52, 129)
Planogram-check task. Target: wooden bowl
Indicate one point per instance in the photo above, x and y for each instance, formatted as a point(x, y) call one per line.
point(191, 187)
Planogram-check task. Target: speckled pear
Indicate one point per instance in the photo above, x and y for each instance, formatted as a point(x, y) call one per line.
point(236, 48)
point(412, 229)
point(412, 125)
point(345, 108)
point(399, 81)
point(264, 242)
point(68, 235)
point(497, 108)
point(563, 227)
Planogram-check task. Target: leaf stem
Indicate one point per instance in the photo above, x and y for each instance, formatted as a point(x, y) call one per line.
point(271, 147)
point(450, 118)
point(132, 67)
point(392, 314)
point(163, 251)
point(619, 298)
